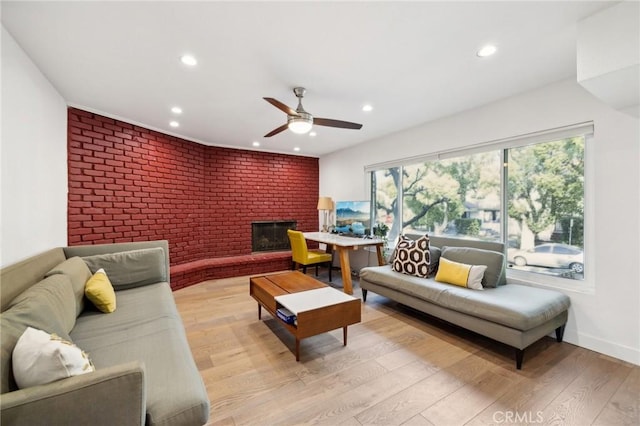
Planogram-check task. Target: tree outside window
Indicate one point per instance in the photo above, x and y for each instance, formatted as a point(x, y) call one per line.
point(546, 205)
point(461, 197)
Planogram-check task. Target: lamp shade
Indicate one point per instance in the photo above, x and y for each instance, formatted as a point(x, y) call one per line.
point(300, 125)
point(325, 203)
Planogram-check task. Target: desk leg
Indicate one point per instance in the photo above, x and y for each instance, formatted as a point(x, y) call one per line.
point(344, 335)
point(297, 349)
point(259, 311)
point(380, 256)
point(345, 266)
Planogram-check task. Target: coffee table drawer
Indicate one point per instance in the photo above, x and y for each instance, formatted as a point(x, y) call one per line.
point(264, 291)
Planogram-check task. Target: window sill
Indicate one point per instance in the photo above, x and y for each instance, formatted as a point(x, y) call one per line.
point(549, 282)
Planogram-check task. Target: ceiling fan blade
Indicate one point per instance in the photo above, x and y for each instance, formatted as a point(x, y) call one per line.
point(276, 131)
point(282, 107)
point(336, 123)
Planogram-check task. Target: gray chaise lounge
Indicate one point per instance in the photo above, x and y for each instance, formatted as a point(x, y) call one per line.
point(516, 315)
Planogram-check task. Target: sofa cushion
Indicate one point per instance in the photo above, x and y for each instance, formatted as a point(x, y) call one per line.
point(79, 273)
point(516, 306)
point(460, 274)
point(147, 327)
point(40, 358)
point(50, 302)
point(100, 292)
point(132, 268)
point(493, 276)
point(434, 255)
point(412, 257)
point(16, 278)
point(49, 305)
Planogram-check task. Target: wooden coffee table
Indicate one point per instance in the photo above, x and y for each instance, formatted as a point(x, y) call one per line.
point(318, 307)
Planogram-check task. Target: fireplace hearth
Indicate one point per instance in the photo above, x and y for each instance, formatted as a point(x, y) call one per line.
point(271, 235)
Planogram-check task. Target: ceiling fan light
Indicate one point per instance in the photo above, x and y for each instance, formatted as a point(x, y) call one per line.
point(299, 125)
point(189, 60)
point(487, 50)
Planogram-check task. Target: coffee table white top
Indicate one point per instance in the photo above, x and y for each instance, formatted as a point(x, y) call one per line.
point(312, 299)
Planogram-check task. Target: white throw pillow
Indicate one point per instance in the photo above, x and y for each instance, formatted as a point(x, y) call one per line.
point(40, 357)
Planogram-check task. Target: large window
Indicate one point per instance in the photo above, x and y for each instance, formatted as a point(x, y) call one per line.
point(529, 196)
point(545, 202)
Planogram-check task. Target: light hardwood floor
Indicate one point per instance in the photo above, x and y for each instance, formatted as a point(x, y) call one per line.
point(399, 367)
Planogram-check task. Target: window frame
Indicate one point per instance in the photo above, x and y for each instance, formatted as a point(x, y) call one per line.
point(584, 129)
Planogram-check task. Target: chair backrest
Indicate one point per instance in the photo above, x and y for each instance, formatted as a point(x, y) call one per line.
point(298, 246)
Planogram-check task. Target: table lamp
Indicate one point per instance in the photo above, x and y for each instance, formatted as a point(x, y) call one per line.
point(325, 204)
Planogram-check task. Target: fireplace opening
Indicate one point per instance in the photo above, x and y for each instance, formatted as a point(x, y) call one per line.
point(271, 235)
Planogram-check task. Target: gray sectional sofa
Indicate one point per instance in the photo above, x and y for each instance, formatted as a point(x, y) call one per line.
point(144, 369)
point(516, 315)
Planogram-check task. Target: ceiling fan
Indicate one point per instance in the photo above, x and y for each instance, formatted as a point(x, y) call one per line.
point(300, 121)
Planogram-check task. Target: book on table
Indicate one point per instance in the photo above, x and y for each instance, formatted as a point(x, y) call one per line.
point(286, 315)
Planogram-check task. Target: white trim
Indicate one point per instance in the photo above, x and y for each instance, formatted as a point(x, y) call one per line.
point(403, 162)
point(548, 135)
point(533, 279)
point(603, 346)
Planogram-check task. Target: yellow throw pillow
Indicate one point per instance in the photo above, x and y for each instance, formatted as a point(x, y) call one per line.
point(100, 292)
point(461, 274)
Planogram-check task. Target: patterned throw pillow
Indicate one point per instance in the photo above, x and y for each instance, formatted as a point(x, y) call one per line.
point(412, 257)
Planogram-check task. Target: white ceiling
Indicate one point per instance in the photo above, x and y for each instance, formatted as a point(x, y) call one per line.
point(413, 61)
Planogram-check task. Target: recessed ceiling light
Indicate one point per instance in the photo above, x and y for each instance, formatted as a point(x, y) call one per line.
point(176, 110)
point(188, 60)
point(312, 134)
point(174, 124)
point(296, 149)
point(256, 143)
point(367, 108)
point(487, 50)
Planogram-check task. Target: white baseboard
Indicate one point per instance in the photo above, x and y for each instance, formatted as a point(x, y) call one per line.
point(616, 350)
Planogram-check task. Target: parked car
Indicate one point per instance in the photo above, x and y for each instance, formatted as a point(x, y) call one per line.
point(550, 255)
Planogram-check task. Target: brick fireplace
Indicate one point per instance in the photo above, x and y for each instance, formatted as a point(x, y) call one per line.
point(271, 235)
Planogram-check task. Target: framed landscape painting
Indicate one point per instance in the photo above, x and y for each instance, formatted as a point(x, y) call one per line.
point(353, 217)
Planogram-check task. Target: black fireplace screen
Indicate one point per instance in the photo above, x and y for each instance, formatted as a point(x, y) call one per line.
point(271, 236)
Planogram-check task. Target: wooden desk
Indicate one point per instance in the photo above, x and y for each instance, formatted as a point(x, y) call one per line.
point(343, 245)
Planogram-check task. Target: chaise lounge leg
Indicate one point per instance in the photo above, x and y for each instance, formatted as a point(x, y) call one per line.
point(364, 295)
point(519, 357)
point(559, 333)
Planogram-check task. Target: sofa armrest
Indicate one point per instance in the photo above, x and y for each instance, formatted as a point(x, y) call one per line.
point(110, 396)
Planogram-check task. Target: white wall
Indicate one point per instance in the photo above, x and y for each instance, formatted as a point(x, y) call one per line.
point(608, 55)
point(608, 319)
point(33, 157)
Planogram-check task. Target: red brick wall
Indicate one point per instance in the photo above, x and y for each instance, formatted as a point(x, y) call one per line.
point(247, 186)
point(128, 183)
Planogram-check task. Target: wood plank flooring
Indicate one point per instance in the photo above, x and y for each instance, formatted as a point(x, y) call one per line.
point(399, 367)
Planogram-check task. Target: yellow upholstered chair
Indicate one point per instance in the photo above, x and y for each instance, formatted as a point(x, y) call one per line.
point(303, 256)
